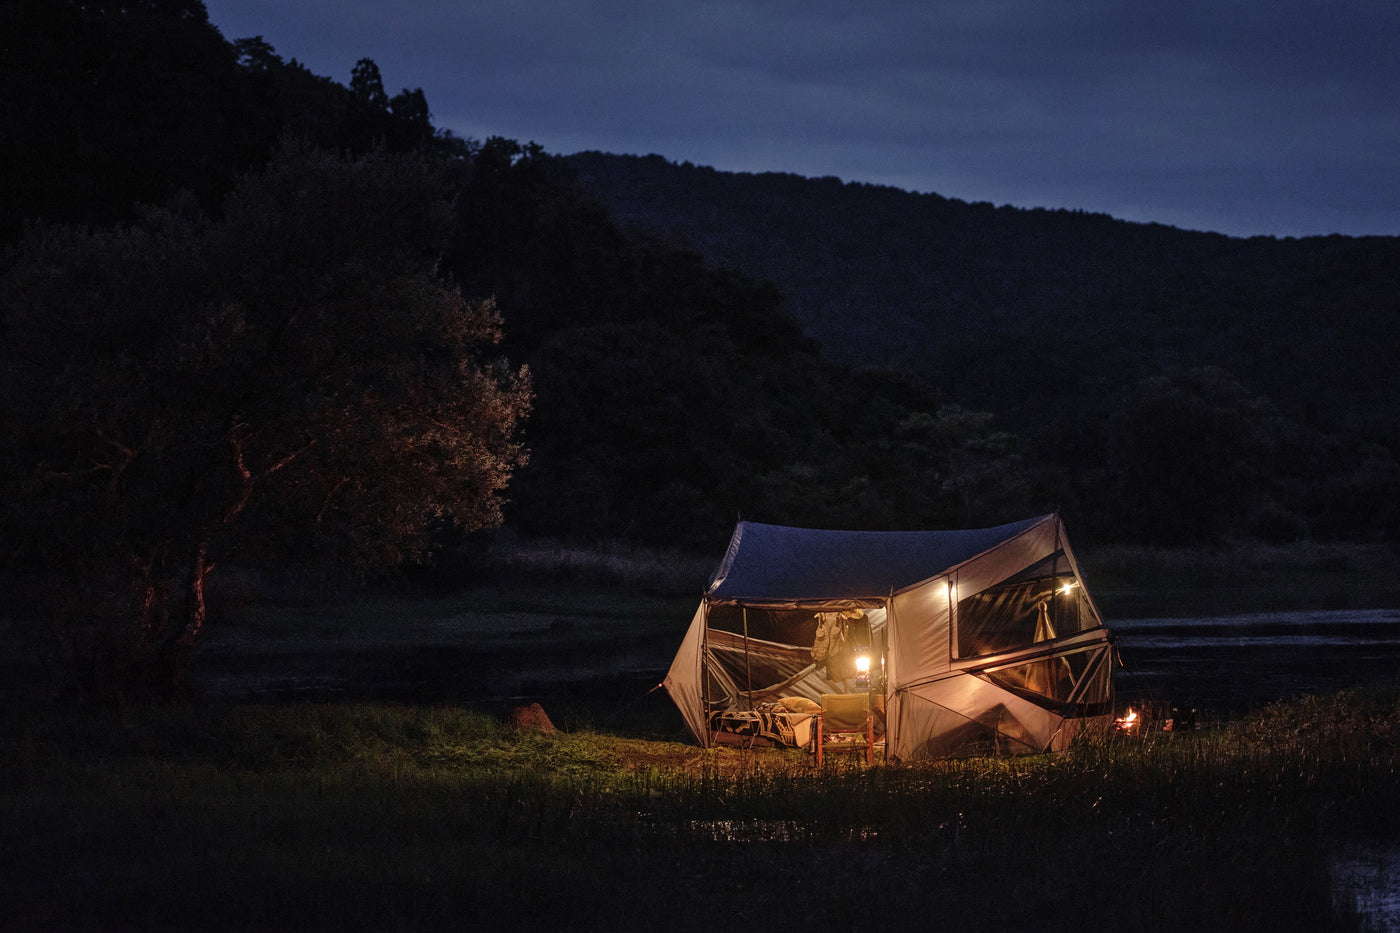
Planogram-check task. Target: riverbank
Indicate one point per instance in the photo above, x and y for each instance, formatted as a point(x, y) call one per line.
point(371, 816)
point(590, 631)
point(348, 767)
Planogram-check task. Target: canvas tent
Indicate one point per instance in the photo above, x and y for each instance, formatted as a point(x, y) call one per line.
point(980, 641)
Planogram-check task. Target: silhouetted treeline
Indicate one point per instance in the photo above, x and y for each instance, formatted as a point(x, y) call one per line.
point(780, 349)
point(110, 104)
point(1164, 384)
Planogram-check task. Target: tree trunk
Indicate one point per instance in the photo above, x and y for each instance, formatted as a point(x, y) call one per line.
point(196, 613)
point(136, 648)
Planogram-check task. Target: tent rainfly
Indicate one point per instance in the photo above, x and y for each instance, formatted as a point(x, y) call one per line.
point(974, 642)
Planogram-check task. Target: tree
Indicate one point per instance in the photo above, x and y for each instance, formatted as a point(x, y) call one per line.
point(106, 104)
point(292, 381)
point(1193, 454)
point(256, 54)
point(373, 120)
point(367, 87)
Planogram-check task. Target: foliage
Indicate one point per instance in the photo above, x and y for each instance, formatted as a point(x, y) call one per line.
point(709, 346)
point(1159, 383)
point(292, 381)
point(110, 104)
point(674, 396)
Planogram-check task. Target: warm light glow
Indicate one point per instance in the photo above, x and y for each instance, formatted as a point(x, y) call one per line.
point(863, 663)
point(1128, 722)
point(1068, 586)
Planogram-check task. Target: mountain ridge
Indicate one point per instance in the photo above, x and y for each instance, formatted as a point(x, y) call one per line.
point(884, 276)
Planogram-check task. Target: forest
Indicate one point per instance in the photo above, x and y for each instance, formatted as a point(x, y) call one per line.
point(1156, 384)
point(704, 346)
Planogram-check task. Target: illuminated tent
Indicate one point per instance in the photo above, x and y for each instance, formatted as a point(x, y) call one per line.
point(981, 641)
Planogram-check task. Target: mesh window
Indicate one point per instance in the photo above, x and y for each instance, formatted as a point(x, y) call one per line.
point(784, 626)
point(1040, 603)
point(755, 671)
point(1083, 677)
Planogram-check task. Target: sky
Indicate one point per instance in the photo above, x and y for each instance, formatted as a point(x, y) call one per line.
point(1244, 117)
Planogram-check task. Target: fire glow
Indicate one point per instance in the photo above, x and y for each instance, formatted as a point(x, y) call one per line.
point(1129, 722)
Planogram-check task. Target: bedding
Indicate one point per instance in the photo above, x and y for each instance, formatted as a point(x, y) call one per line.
point(767, 726)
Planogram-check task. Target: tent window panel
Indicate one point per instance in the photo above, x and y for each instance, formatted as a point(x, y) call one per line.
point(716, 692)
point(784, 626)
point(754, 673)
point(1098, 690)
point(1048, 677)
point(1041, 603)
point(1080, 676)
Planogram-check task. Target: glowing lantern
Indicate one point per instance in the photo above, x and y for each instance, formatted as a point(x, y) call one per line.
point(863, 670)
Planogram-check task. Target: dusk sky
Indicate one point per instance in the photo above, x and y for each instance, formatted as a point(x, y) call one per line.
point(1277, 117)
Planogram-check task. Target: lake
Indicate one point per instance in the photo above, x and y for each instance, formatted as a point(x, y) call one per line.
point(1220, 664)
point(1229, 663)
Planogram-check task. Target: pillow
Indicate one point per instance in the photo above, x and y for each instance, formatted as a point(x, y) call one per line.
point(800, 705)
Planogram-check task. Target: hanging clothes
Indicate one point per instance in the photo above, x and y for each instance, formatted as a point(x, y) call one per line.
point(837, 643)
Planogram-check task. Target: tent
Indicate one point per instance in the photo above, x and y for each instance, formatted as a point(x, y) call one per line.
point(980, 641)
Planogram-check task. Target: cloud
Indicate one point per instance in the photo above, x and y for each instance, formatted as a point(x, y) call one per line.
point(1243, 116)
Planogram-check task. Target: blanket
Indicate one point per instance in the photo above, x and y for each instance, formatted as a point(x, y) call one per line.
point(762, 727)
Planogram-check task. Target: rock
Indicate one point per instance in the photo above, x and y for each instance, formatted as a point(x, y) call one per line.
point(532, 717)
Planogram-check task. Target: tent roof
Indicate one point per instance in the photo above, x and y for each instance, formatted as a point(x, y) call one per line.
point(774, 563)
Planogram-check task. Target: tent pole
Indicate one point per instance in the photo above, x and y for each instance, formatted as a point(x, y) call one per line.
point(705, 671)
point(748, 670)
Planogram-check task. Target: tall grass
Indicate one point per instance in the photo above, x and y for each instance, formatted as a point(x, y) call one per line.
point(383, 817)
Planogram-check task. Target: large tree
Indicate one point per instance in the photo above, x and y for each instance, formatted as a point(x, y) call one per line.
point(108, 102)
point(294, 379)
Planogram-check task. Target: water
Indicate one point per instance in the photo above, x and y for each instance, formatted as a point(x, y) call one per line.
point(1230, 663)
point(1227, 663)
point(1366, 878)
point(1220, 664)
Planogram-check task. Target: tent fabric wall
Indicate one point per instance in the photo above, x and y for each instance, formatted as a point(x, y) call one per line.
point(941, 697)
point(686, 676)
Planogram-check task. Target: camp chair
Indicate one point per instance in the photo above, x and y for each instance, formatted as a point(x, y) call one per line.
point(846, 714)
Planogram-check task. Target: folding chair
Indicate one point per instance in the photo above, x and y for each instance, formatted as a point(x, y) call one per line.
point(846, 714)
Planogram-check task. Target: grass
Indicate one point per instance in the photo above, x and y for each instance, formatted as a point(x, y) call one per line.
point(352, 815)
point(374, 817)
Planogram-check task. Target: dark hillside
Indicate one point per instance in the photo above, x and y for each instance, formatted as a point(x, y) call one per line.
point(670, 395)
point(105, 105)
point(964, 292)
point(1249, 383)
point(706, 345)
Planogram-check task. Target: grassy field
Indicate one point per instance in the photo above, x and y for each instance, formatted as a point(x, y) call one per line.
point(381, 817)
point(292, 802)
